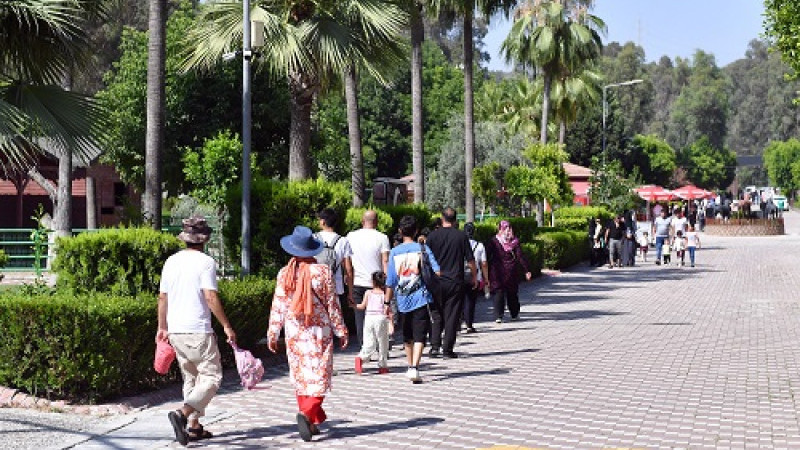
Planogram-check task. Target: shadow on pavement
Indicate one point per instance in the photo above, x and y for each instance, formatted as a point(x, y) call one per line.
point(569, 315)
point(498, 353)
point(474, 373)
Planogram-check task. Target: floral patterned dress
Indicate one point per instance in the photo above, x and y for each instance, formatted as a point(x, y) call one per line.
point(309, 349)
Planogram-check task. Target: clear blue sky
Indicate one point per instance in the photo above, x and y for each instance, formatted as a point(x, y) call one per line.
point(666, 27)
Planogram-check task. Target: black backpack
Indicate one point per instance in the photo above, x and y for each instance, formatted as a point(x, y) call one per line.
point(429, 277)
point(328, 254)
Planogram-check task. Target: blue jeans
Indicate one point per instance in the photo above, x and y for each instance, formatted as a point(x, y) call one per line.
point(691, 254)
point(659, 243)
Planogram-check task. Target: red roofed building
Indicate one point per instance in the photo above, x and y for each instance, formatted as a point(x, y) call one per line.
point(579, 179)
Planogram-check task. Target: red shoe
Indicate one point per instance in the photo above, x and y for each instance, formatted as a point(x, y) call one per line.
point(383, 370)
point(359, 369)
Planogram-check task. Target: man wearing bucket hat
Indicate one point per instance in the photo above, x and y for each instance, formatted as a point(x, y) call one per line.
point(187, 298)
point(306, 307)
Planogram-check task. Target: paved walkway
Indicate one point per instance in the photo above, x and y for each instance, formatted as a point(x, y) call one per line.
point(650, 356)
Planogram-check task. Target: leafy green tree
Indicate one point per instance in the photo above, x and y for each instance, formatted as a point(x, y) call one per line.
point(486, 183)
point(707, 166)
point(611, 188)
point(702, 107)
point(199, 105)
point(655, 159)
point(781, 21)
point(780, 157)
point(635, 101)
point(308, 44)
point(555, 37)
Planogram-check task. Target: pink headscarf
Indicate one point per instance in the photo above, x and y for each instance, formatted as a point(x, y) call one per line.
point(505, 235)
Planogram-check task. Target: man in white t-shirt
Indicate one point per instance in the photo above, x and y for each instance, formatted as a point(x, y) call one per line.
point(678, 223)
point(187, 298)
point(370, 250)
point(343, 270)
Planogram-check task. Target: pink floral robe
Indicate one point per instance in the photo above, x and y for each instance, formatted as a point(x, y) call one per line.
point(309, 349)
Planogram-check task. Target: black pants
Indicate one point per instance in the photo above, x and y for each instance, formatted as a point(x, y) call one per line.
point(470, 300)
point(358, 297)
point(501, 297)
point(446, 315)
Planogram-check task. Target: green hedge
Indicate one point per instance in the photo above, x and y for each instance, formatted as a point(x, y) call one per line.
point(277, 207)
point(562, 249)
point(385, 221)
point(420, 212)
point(94, 346)
point(533, 253)
point(122, 261)
point(578, 217)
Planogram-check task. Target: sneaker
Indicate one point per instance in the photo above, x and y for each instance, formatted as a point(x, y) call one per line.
point(450, 355)
point(359, 365)
point(434, 352)
point(383, 370)
point(658, 263)
point(514, 319)
point(498, 320)
point(413, 375)
point(471, 330)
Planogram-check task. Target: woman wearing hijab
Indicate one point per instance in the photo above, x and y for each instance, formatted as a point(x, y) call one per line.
point(504, 255)
point(305, 305)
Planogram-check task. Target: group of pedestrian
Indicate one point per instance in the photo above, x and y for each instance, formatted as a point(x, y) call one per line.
point(426, 285)
point(618, 242)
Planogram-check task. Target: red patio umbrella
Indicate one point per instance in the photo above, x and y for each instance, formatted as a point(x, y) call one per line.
point(691, 192)
point(653, 193)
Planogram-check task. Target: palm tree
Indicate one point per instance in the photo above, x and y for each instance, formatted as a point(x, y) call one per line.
point(556, 36)
point(571, 92)
point(42, 41)
point(156, 112)
point(308, 43)
point(417, 130)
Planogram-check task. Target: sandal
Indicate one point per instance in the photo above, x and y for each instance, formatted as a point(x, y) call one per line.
point(199, 433)
point(304, 427)
point(178, 421)
point(315, 430)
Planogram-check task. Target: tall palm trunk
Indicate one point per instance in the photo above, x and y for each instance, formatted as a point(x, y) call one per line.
point(562, 132)
point(469, 116)
point(354, 135)
point(156, 105)
point(548, 81)
point(417, 142)
point(62, 206)
point(302, 88)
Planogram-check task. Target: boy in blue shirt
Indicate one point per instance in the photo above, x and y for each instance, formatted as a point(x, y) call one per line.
point(405, 284)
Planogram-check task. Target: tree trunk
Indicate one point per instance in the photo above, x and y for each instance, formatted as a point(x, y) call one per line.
point(562, 132)
point(354, 135)
point(156, 106)
point(417, 131)
point(62, 206)
point(302, 89)
point(469, 116)
point(545, 107)
point(91, 203)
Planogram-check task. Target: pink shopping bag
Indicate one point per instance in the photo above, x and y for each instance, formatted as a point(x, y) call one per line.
point(165, 354)
point(250, 368)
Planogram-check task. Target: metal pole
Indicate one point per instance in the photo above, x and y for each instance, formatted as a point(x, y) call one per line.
point(246, 128)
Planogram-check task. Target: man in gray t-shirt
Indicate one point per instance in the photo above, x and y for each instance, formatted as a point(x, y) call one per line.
point(661, 232)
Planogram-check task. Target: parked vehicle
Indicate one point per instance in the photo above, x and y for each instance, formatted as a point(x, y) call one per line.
point(781, 202)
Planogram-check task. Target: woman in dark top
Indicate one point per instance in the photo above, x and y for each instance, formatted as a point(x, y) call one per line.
point(504, 254)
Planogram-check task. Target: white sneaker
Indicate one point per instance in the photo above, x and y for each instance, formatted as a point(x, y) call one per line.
point(413, 375)
point(498, 320)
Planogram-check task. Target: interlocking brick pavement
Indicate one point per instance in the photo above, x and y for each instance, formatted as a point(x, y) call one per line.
point(649, 357)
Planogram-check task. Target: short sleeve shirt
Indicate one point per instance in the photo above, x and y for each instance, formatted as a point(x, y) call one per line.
point(480, 255)
point(451, 248)
point(368, 246)
point(184, 277)
point(403, 271)
point(679, 224)
point(343, 250)
point(662, 226)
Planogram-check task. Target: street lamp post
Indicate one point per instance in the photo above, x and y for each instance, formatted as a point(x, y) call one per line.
point(605, 113)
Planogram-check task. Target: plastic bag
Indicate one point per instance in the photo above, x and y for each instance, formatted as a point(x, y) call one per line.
point(250, 368)
point(165, 354)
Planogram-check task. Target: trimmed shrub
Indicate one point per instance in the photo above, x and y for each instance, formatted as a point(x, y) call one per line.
point(94, 346)
point(353, 220)
point(277, 208)
point(577, 217)
point(533, 253)
point(122, 261)
point(562, 249)
point(420, 212)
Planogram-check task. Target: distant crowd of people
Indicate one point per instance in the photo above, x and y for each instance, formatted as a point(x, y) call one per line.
point(621, 241)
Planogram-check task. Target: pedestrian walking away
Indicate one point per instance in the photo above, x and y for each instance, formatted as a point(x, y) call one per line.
point(377, 325)
point(614, 235)
point(370, 253)
point(453, 252)
point(306, 307)
point(405, 284)
point(187, 298)
point(473, 293)
point(337, 254)
point(505, 256)
point(692, 243)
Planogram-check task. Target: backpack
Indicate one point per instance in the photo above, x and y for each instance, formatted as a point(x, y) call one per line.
point(426, 272)
point(328, 254)
point(250, 368)
point(467, 272)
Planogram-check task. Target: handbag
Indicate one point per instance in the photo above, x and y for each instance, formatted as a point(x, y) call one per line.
point(429, 277)
point(165, 354)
